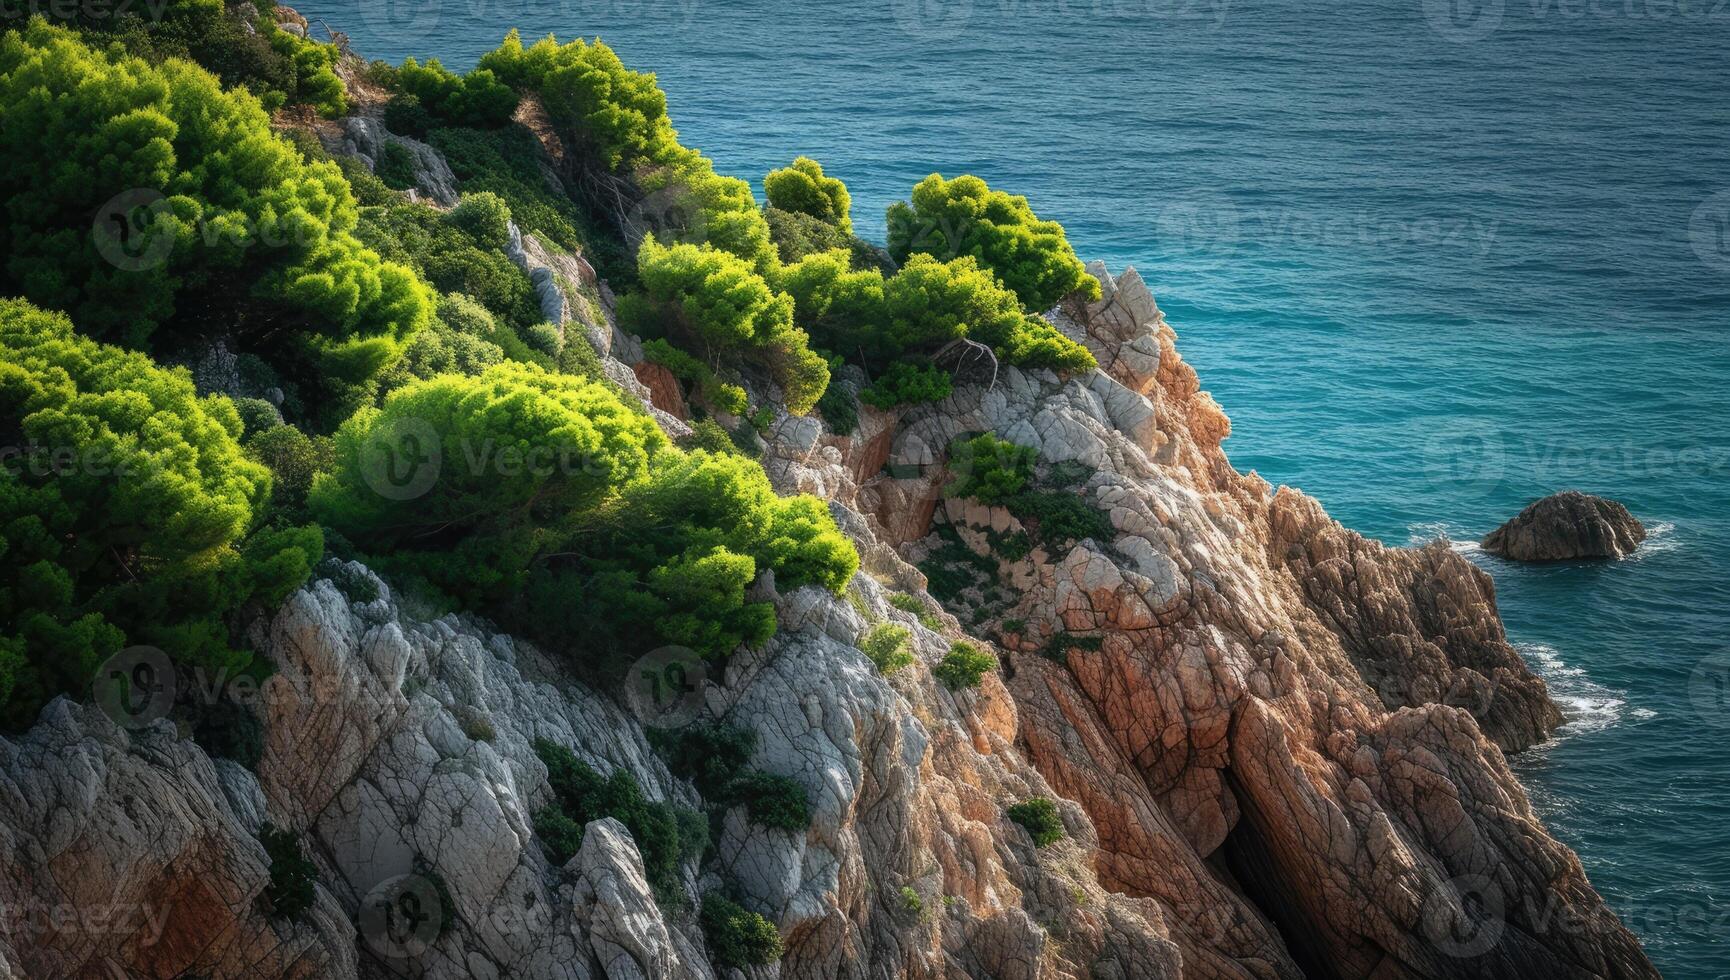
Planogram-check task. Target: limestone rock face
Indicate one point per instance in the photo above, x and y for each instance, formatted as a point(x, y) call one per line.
point(1566, 526)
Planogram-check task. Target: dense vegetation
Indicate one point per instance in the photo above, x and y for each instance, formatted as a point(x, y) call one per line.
point(1040, 818)
point(665, 835)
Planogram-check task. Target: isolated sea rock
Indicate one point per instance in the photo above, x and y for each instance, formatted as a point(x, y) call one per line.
point(1565, 526)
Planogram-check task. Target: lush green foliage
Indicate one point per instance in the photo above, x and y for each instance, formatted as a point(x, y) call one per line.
point(1061, 516)
point(567, 512)
point(292, 876)
point(714, 758)
point(886, 646)
point(738, 938)
point(1039, 816)
point(724, 307)
point(508, 162)
point(911, 903)
point(837, 407)
point(964, 666)
point(964, 217)
point(921, 308)
point(803, 189)
point(241, 215)
point(238, 42)
point(562, 836)
point(903, 383)
point(989, 469)
point(584, 795)
point(457, 252)
point(477, 100)
point(123, 516)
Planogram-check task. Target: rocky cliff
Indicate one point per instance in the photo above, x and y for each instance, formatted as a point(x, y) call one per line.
point(1277, 747)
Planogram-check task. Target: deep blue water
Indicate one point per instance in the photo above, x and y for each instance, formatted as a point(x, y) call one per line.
point(1434, 260)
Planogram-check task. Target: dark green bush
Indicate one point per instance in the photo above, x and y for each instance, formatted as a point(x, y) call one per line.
point(838, 409)
point(290, 892)
point(509, 162)
point(738, 938)
point(771, 800)
point(885, 645)
point(990, 470)
point(903, 383)
point(963, 217)
point(585, 795)
point(912, 604)
point(1039, 816)
point(562, 836)
point(405, 116)
point(444, 250)
point(395, 166)
point(478, 99)
point(710, 756)
point(1060, 516)
point(964, 666)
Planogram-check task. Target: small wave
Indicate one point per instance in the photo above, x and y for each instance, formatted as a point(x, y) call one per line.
point(1424, 532)
point(1587, 706)
point(1660, 538)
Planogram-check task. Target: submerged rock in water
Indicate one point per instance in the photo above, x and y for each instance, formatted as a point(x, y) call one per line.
point(1567, 525)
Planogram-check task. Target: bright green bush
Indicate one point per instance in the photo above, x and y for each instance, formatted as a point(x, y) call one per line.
point(125, 515)
point(241, 213)
point(570, 515)
point(964, 217)
point(292, 876)
point(924, 306)
point(803, 189)
point(911, 903)
point(738, 938)
point(478, 99)
point(716, 300)
point(1039, 816)
point(990, 470)
point(485, 218)
point(886, 646)
point(903, 383)
point(964, 666)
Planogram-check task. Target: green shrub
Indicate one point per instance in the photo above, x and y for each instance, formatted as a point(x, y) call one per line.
point(561, 835)
point(585, 795)
point(1039, 816)
point(738, 938)
point(885, 645)
point(1058, 646)
point(477, 100)
point(405, 116)
point(798, 235)
point(838, 409)
point(964, 666)
point(1059, 516)
point(256, 415)
point(544, 337)
point(911, 903)
point(708, 436)
point(990, 470)
point(717, 301)
point(721, 396)
point(964, 217)
point(455, 260)
point(485, 218)
point(771, 800)
point(395, 166)
point(125, 517)
point(908, 384)
point(600, 530)
point(242, 216)
point(923, 307)
point(803, 189)
point(711, 756)
point(509, 162)
point(290, 892)
point(913, 604)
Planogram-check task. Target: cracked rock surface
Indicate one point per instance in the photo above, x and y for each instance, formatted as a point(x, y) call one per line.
point(1275, 748)
point(1565, 526)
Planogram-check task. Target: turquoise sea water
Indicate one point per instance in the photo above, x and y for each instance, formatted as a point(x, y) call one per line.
point(1434, 259)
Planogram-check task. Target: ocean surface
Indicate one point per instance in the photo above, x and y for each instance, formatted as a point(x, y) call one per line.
point(1435, 259)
